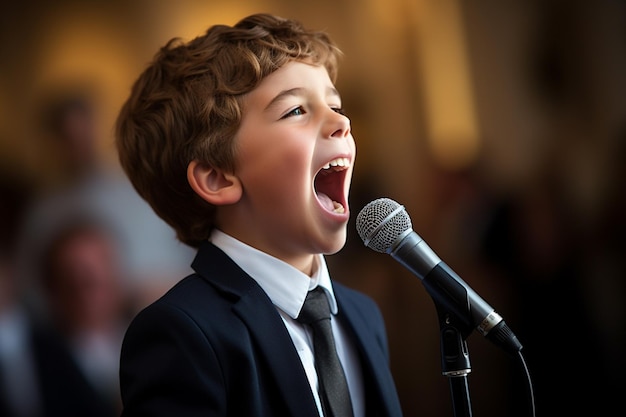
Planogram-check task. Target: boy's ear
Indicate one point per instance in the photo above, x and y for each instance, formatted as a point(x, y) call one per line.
point(212, 184)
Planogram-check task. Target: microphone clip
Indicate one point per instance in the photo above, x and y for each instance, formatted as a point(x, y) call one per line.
point(455, 360)
point(453, 333)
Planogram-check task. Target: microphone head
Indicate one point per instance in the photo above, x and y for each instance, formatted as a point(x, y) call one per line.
point(381, 223)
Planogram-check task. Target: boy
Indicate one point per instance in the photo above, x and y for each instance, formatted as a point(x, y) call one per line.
point(238, 140)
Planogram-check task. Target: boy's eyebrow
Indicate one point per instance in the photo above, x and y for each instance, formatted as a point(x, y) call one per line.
point(330, 91)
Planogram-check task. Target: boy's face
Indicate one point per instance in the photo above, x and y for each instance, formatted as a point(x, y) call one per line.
point(295, 156)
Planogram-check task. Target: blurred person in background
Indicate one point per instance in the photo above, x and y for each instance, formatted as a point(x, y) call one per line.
point(80, 178)
point(18, 383)
point(39, 377)
point(85, 306)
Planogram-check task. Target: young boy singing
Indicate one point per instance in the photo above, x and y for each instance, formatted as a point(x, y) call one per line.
point(238, 140)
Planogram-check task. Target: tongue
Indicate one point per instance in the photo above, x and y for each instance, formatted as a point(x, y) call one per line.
point(326, 201)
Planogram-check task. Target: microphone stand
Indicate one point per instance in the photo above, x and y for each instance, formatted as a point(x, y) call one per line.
point(455, 359)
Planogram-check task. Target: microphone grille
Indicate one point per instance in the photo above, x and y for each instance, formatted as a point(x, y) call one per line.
point(381, 222)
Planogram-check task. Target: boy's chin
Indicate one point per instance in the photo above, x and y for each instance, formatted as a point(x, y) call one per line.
point(335, 245)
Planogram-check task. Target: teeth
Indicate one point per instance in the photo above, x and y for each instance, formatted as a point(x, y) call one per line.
point(338, 208)
point(339, 162)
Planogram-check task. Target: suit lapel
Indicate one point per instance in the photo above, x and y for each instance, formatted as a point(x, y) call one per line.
point(274, 341)
point(375, 360)
point(255, 309)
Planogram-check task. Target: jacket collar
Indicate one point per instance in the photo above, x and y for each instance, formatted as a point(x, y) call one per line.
point(266, 327)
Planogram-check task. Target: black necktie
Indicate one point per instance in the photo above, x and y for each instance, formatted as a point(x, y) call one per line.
point(333, 388)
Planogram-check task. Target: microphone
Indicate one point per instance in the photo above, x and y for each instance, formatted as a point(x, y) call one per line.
point(385, 227)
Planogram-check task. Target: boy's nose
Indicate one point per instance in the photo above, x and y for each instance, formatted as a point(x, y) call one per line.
point(337, 125)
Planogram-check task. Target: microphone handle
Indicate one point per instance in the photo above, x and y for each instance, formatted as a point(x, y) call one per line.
point(450, 291)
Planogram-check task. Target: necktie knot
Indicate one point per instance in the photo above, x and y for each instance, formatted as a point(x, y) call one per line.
point(315, 307)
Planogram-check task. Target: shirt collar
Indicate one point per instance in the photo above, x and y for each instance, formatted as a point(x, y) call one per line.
point(285, 285)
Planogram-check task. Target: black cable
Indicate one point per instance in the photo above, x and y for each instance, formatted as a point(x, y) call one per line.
point(531, 395)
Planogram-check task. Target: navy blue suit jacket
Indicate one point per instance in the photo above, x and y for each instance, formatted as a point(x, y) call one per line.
point(215, 345)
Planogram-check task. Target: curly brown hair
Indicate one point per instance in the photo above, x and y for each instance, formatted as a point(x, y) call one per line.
point(187, 105)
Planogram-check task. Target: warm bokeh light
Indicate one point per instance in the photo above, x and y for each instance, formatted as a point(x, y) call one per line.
point(446, 84)
point(501, 126)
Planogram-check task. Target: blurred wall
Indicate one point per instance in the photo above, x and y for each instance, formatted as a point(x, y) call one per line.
point(500, 125)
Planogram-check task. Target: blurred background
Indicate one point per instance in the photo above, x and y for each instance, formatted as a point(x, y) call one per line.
point(499, 125)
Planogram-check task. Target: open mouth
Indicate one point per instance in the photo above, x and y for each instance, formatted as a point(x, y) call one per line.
point(329, 185)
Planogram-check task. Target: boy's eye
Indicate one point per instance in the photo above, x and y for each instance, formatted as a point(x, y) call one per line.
point(340, 110)
point(298, 111)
